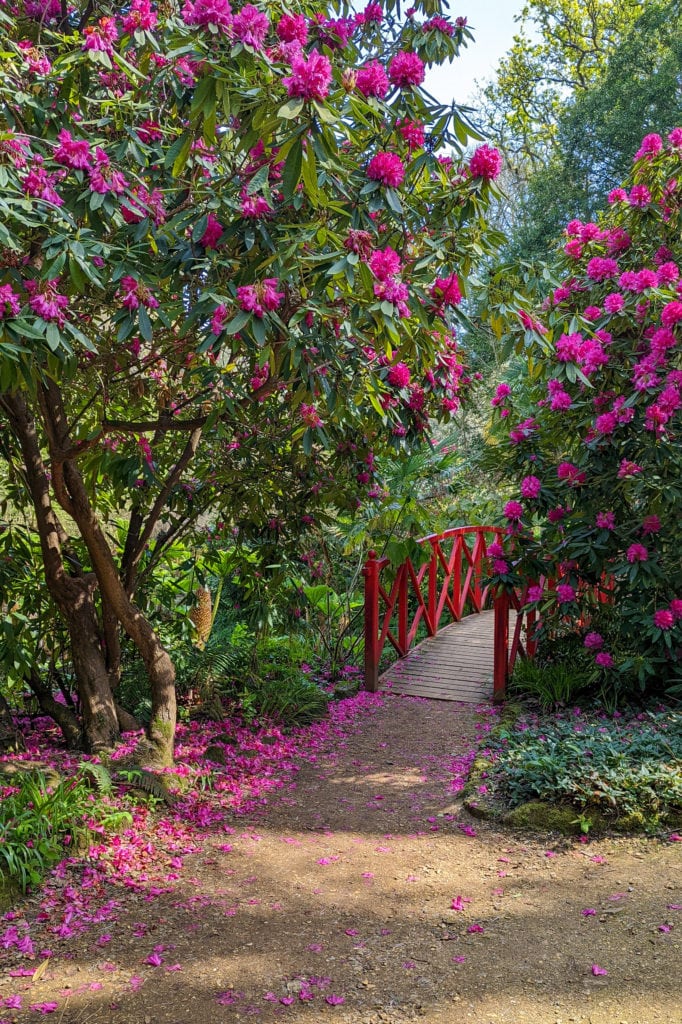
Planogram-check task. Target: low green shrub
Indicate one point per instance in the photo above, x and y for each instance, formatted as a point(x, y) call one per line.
point(40, 819)
point(285, 696)
point(552, 685)
point(621, 765)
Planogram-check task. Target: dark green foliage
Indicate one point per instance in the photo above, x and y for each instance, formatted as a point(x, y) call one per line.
point(285, 696)
point(619, 765)
point(601, 127)
point(552, 685)
point(40, 818)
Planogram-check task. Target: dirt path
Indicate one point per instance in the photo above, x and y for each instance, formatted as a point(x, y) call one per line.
point(335, 904)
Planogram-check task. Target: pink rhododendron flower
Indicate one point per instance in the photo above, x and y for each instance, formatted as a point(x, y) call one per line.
point(104, 178)
point(637, 553)
point(386, 168)
point(101, 36)
point(593, 641)
point(502, 391)
point(614, 302)
point(565, 593)
point(399, 375)
point(208, 12)
point(531, 324)
point(651, 145)
point(671, 314)
point(485, 163)
point(213, 233)
point(606, 520)
point(446, 291)
point(639, 196)
point(513, 510)
point(372, 80)
point(604, 659)
point(664, 619)
point(406, 69)
point(312, 419)
point(46, 301)
point(219, 319)
point(309, 79)
point(385, 263)
point(72, 152)
point(412, 132)
point(600, 268)
point(251, 26)
point(140, 17)
point(38, 184)
point(37, 62)
point(535, 593)
point(260, 298)
point(10, 302)
point(530, 487)
point(292, 28)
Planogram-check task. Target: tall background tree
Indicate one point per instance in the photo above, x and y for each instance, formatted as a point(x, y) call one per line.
point(570, 103)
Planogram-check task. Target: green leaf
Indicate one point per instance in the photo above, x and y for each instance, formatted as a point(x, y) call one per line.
point(310, 176)
point(291, 109)
point(292, 169)
point(259, 180)
point(237, 322)
point(199, 228)
point(145, 323)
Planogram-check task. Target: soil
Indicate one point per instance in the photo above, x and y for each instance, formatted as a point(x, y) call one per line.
point(334, 903)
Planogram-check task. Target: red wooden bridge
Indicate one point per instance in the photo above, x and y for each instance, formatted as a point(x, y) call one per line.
point(455, 637)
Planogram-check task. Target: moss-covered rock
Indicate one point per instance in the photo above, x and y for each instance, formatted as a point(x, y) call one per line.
point(544, 817)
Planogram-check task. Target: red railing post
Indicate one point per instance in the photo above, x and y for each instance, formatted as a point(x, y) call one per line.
point(402, 610)
point(478, 570)
point(501, 645)
point(372, 653)
point(432, 625)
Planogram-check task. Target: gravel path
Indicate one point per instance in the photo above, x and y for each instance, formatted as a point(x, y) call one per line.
point(363, 893)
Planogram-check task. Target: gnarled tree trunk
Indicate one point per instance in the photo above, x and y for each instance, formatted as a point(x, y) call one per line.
point(73, 595)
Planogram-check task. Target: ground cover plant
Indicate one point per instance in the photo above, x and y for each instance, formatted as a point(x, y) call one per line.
point(627, 767)
point(589, 432)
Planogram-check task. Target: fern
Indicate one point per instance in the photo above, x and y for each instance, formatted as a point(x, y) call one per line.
point(140, 778)
point(91, 771)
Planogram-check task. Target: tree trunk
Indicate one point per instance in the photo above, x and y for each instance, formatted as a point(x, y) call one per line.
point(73, 595)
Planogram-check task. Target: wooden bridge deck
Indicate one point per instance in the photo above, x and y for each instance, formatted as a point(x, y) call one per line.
point(456, 664)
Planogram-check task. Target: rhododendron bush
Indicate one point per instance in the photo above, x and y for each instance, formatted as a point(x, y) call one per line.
point(592, 436)
point(231, 266)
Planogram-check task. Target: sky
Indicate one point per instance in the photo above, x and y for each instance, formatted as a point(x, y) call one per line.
point(492, 22)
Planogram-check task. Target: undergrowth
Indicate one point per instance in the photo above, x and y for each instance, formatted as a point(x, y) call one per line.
point(41, 819)
point(622, 765)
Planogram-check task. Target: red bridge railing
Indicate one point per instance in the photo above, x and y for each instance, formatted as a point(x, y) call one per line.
point(444, 588)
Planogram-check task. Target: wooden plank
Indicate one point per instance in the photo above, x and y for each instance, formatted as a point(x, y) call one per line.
point(456, 665)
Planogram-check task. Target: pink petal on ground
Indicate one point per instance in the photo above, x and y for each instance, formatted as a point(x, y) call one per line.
point(598, 971)
point(588, 912)
point(335, 1000)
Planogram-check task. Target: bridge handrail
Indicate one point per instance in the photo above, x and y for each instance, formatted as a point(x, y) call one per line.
point(453, 580)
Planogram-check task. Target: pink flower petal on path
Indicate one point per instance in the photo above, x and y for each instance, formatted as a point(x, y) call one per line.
point(598, 971)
